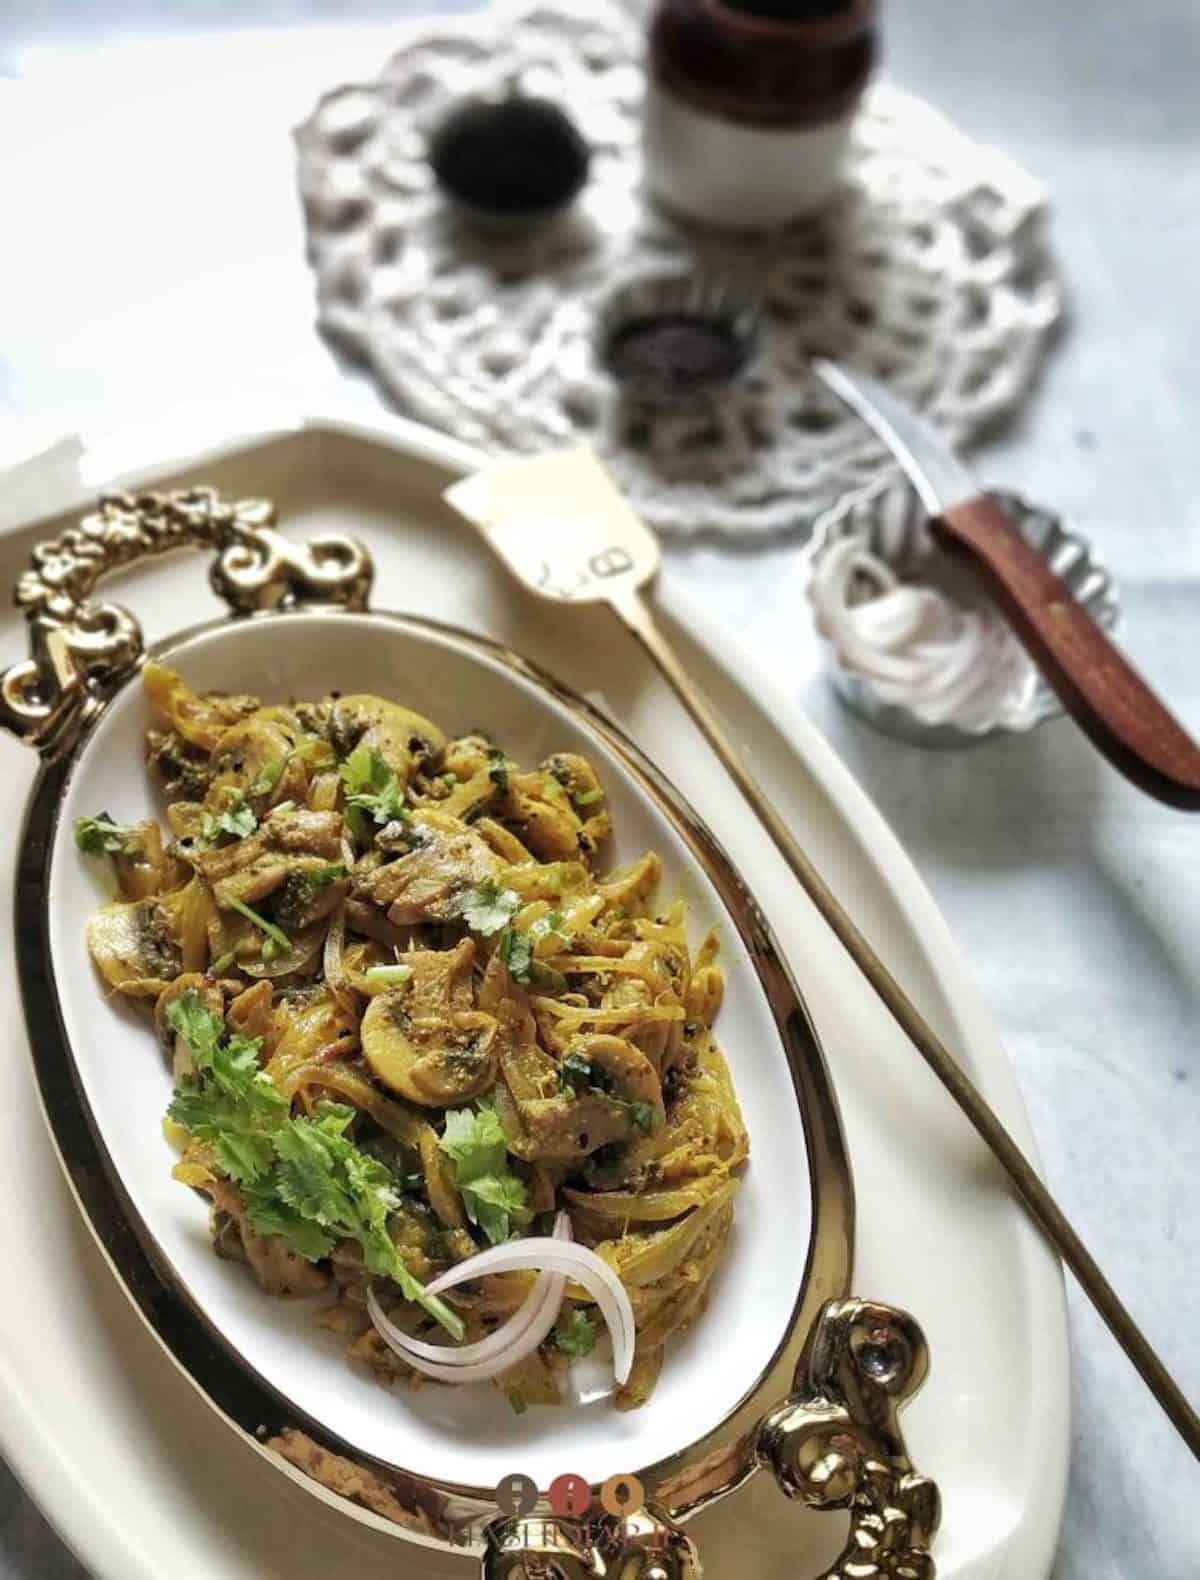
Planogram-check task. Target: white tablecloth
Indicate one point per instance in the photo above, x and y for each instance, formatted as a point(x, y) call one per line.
point(152, 245)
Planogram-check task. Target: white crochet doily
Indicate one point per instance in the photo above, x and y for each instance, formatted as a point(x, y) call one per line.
point(930, 268)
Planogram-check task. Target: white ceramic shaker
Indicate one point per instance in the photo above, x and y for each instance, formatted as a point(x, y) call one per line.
point(749, 105)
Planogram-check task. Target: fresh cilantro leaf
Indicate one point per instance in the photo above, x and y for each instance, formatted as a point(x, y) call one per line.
point(475, 1143)
point(487, 907)
point(498, 770)
point(575, 1334)
point(200, 1028)
point(645, 1117)
point(358, 771)
point(229, 1101)
point(322, 877)
point(100, 836)
point(244, 1156)
point(237, 821)
point(575, 1071)
point(494, 1198)
point(271, 1216)
point(495, 1202)
point(516, 952)
point(325, 1178)
point(302, 1179)
point(373, 790)
point(268, 777)
point(588, 797)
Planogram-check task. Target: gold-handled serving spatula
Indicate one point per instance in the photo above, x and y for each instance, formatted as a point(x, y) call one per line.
point(563, 529)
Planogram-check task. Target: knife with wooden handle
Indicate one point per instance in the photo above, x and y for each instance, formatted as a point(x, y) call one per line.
point(1098, 686)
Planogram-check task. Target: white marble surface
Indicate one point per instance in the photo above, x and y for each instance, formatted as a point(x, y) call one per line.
point(150, 226)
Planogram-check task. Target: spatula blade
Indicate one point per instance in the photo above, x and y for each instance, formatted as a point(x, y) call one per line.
point(560, 524)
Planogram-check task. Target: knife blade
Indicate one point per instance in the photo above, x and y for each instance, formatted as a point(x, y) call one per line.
point(1098, 686)
point(939, 477)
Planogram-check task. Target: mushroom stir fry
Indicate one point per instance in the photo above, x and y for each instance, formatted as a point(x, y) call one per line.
point(411, 1020)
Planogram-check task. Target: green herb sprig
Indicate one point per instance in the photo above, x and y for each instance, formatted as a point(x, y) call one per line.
point(374, 793)
point(487, 908)
point(275, 941)
point(237, 820)
point(494, 1198)
point(301, 1179)
point(100, 836)
point(575, 1334)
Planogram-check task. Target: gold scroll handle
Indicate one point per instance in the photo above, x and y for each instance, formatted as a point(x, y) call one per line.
point(835, 1444)
point(80, 650)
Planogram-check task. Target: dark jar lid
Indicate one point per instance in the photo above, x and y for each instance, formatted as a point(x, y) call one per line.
point(514, 159)
point(670, 339)
point(765, 62)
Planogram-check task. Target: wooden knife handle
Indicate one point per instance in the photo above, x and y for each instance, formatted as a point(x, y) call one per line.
point(1100, 688)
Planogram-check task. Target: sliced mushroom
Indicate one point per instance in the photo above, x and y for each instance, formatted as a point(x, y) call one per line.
point(134, 947)
point(544, 1122)
point(299, 959)
point(259, 749)
point(434, 1067)
point(568, 1129)
point(626, 1071)
point(404, 739)
point(369, 922)
point(425, 885)
point(301, 901)
point(423, 1040)
point(295, 841)
point(549, 824)
point(298, 831)
point(185, 770)
point(571, 1125)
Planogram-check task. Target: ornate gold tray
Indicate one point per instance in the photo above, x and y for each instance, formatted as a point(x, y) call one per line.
point(820, 1408)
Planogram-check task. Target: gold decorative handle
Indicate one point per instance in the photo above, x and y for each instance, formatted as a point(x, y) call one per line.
point(80, 650)
point(835, 1444)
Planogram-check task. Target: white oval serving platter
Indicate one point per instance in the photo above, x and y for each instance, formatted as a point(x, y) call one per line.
point(142, 1479)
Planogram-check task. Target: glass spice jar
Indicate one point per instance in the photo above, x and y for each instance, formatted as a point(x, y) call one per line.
point(749, 104)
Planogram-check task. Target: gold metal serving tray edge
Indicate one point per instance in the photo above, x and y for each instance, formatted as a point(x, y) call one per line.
point(816, 1386)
